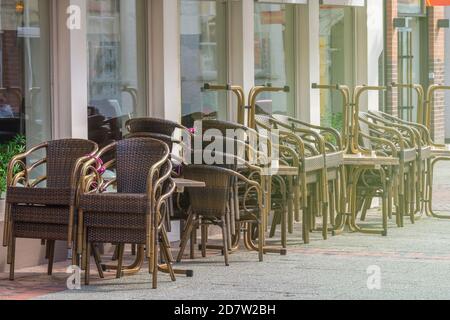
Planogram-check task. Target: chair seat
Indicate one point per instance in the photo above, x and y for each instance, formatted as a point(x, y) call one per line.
point(40, 214)
point(41, 231)
point(124, 203)
point(39, 196)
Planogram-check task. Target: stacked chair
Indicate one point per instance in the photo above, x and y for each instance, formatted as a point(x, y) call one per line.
point(278, 168)
point(42, 195)
point(135, 213)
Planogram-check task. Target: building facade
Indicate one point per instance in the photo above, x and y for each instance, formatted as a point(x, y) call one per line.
point(80, 68)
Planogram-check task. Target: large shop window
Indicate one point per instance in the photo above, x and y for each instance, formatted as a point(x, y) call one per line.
point(409, 7)
point(203, 59)
point(116, 59)
point(275, 56)
point(25, 104)
point(336, 59)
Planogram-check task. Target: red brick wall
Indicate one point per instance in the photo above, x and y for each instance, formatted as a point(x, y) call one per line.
point(437, 67)
point(391, 57)
point(436, 63)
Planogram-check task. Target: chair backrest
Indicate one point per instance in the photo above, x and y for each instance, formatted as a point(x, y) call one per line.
point(212, 200)
point(134, 159)
point(152, 125)
point(62, 156)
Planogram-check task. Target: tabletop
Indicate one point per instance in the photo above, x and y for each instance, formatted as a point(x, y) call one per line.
point(363, 160)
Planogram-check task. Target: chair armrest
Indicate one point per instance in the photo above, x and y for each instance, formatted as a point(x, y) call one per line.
point(19, 171)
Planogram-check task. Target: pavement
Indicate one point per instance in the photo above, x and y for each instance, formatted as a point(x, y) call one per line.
point(411, 263)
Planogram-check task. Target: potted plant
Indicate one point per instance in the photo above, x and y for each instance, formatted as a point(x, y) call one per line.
point(7, 152)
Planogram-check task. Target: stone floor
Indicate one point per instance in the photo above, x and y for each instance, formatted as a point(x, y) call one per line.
point(411, 263)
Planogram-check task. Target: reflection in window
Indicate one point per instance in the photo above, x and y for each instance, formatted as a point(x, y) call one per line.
point(336, 60)
point(410, 6)
point(203, 59)
point(116, 57)
point(25, 104)
point(274, 56)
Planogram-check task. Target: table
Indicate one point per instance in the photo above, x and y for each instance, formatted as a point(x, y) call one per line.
point(357, 164)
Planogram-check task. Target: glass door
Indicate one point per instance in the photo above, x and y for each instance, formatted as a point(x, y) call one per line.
point(337, 64)
point(116, 65)
point(25, 103)
point(204, 52)
point(275, 56)
point(411, 68)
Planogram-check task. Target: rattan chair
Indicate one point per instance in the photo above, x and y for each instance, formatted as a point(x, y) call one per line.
point(423, 146)
point(210, 205)
point(42, 196)
point(136, 212)
point(404, 139)
point(329, 142)
point(311, 185)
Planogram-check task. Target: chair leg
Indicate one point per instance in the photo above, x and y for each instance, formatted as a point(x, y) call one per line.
point(187, 233)
point(204, 231)
point(165, 253)
point(115, 254)
point(154, 263)
point(12, 243)
point(88, 264)
point(275, 222)
point(98, 261)
point(225, 241)
point(121, 250)
point(51, 256)
point(133, 249)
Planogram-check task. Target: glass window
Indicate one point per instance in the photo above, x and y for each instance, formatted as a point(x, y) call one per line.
point(203, 59)
point(410, 6)
point(336, 60)
point(116, 61)
point(25, 104)
point(274, 56)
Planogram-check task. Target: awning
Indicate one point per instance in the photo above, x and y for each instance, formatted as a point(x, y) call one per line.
point(435, 3)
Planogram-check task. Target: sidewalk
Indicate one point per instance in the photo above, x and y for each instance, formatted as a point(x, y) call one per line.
point(413, 261)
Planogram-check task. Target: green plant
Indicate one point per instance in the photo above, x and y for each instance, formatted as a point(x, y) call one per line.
point(7, 152)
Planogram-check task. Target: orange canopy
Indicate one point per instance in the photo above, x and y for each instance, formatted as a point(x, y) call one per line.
point(432, 3)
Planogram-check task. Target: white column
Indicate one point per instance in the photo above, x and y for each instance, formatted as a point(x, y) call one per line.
point(308, 55)
point(70, 75)
point(164, 69)
point(241, 38)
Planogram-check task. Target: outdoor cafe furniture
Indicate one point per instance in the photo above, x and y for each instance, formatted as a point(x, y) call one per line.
point(311, 186)
point(42, 195)
point(329, 141)
point(245, 159)
point(404, 141)
point(211, 204)
point(135, 213)
point(254, 162)
point(423, 152)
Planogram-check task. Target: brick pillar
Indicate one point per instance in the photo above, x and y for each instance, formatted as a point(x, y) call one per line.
point(437, 67)
point(391, 57)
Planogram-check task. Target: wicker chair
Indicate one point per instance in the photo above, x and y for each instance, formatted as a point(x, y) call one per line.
point(329, 142)
point(42, 206)
point(136, 212)
point(311, 185)
point(246, 159)
point(210, 205)
point(423, 147)
point(404, 139)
